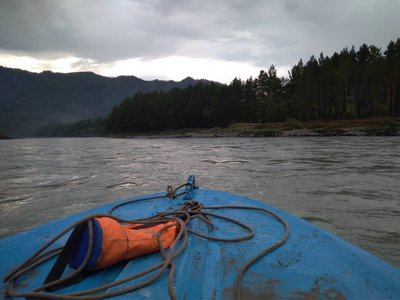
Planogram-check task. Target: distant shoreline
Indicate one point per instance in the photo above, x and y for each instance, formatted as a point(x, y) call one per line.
point(4, 137)
point(286, 133)
point(290, 128)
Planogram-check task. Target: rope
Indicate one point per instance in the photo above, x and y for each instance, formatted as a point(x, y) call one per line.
point(188, 211)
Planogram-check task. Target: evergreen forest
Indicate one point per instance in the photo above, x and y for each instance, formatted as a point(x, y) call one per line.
point(351, 84)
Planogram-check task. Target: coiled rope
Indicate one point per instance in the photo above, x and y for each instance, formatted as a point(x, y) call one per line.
point(188, 211)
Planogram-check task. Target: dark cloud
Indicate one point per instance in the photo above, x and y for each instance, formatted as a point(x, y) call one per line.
point(259, 32)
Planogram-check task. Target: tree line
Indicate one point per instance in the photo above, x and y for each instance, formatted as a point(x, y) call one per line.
point(363, 83)
point(89, 128)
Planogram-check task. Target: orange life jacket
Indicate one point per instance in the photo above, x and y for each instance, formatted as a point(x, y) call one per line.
point(114, 242)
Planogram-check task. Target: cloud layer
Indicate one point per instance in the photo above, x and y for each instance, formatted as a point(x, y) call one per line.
point(99, 35)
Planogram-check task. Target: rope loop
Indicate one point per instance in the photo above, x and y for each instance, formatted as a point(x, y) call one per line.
point(171, 192)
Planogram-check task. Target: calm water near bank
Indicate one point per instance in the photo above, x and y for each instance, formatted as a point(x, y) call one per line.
point(347, 185)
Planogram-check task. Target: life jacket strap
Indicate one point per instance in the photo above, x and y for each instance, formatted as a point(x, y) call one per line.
point(59, 266)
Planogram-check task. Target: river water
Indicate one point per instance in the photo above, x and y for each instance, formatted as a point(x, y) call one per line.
point(347, 185)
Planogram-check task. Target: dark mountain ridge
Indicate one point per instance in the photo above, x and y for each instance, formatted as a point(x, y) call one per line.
point(29, 100)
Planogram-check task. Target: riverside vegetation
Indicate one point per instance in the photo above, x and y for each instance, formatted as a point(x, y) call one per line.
point(3, 136)
point(325, 96)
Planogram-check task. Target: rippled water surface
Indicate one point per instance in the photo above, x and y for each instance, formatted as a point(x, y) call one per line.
point(347, 185)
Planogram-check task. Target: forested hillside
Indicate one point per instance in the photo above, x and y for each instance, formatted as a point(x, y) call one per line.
point(29, 100)
point(362, 83)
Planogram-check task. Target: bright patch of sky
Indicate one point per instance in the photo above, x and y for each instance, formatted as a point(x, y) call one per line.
point(173, 39)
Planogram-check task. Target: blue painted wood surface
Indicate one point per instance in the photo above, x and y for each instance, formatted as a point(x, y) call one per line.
point(313, 263)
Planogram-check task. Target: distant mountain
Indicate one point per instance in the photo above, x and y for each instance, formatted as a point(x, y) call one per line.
point(29, 100)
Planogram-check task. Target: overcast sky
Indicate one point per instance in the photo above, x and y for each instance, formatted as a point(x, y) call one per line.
point(172, 39)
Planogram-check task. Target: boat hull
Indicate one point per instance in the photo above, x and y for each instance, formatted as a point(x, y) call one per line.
point(312, 263)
